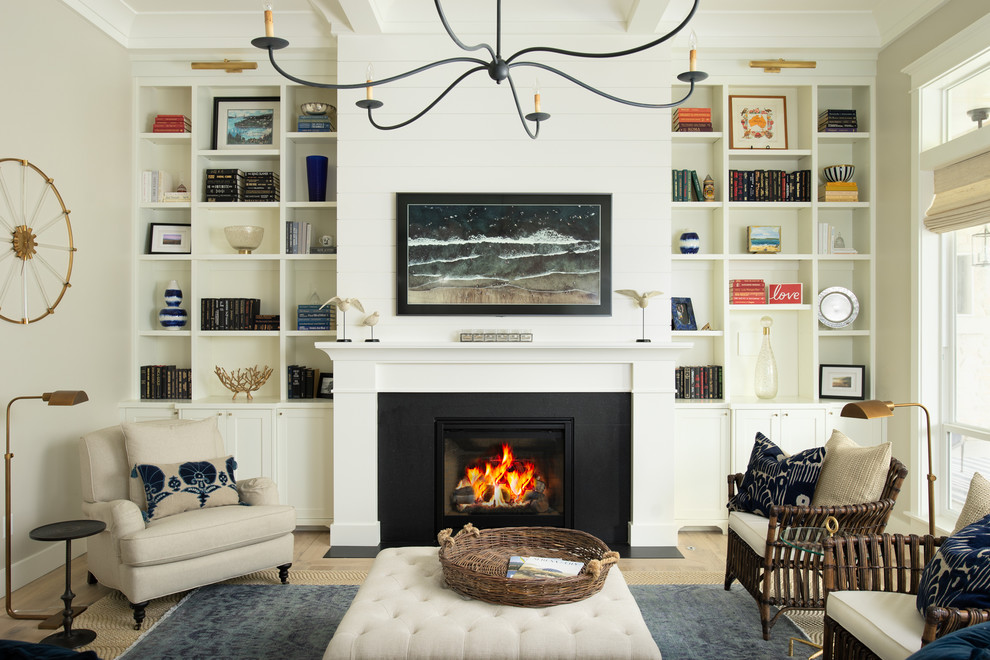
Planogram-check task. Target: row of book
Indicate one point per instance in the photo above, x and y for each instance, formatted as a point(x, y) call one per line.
point(224, 185)
point(229, 313)
point(311, 317)
point(703, 382)
point(831, 242)
point(314, 124)
point(171, 124)
point(838, 191)
point(691, 120)
point(154, 185)
point(261, 187)
point(837, 121)
point(747, 292)
point(302, 382)
point(686, 186)
point(165, 381)
point(299, 240)
point(769, 186)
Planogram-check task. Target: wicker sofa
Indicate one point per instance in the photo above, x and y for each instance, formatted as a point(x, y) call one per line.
point(778, 575)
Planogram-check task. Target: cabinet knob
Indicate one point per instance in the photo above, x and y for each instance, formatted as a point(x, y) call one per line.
point(219, 414)
point(230, 414)
point(775, 415)
point(786, 414)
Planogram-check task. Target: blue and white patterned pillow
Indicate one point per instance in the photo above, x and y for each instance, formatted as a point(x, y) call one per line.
point(959, 573)
point(177, 487)
point(773, 478)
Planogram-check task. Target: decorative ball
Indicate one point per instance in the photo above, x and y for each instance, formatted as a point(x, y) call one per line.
point(839, 172)
point(690, 243)
point(173, 317)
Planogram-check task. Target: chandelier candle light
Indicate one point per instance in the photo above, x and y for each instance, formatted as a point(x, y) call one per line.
point(498, 69)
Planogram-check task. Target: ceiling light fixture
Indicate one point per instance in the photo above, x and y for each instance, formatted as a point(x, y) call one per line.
point(498, 69)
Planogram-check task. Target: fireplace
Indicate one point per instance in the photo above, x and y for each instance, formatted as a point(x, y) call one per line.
point(504, 472)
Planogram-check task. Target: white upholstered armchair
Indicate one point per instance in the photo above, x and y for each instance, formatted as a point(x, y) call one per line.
point(196, 535)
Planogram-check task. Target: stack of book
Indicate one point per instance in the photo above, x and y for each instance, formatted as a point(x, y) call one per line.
point(698, 382)
point(224, 185)
point(747, 292)
point(171, 124)
point(302, 382)
point(154, 185)
point(769, 186)
point(838, 191)
point(314, 124)
point(837, 121)
point(298, 236)
point(266, 322)
point(311, 317)
point(229, 313)
point(260, 187)
point(165, 381)
point(830, 242)
point(691, 120)
point(686, 186)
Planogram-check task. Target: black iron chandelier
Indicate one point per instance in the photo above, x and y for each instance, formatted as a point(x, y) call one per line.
point(498, 69)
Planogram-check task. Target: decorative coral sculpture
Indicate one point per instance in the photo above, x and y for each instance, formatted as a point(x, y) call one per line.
point(247, 380)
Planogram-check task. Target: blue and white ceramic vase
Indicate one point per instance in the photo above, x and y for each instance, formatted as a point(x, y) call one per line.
point(690, 243)
point(173, 317)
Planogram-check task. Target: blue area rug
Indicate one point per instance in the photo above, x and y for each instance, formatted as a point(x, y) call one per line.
point(296, 622)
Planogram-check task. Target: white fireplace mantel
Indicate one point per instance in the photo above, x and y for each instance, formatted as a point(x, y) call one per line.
point(362, 370)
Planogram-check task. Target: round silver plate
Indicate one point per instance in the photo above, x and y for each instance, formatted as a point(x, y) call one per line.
point(837, 307)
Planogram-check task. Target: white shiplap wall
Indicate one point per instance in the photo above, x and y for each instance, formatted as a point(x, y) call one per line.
point(473, 142)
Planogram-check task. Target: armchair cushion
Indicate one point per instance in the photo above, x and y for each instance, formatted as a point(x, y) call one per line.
point(977, 502)
point(172, 488)
point(851, 474)
point(884, 621)
point(959, 573)
point(751, 528)
point(774, 478)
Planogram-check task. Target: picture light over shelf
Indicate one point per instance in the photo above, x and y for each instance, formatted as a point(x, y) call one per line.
point(774, 66)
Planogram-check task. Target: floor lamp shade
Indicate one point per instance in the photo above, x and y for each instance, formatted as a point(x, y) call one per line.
point(874, 409)
point(56, 398)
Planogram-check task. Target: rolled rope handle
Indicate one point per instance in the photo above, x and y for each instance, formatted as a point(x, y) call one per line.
point(595, 566)
point(444, 538)
point(470, 530)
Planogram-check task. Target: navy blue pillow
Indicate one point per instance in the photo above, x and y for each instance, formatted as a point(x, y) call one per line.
point(14, 650)
point(959, 573)
point(775, 479)
point(972, 643)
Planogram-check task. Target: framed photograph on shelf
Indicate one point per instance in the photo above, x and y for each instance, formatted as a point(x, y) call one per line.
point(682, 314)
point(841, 381)
point(170, 239)
point(324, 389)
point(757, 122)
point(763, 239)
point(245, 122)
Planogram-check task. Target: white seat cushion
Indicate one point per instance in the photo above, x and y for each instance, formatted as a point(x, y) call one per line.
point(888, 623)
point(752, 529)
point(205, 532)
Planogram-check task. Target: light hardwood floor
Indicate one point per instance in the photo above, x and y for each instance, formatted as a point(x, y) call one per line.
point(703, 551)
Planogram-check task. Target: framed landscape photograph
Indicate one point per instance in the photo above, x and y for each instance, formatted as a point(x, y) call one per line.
point(841, 381)
point(245, 122)
point(682, 314)
point(503, 254)
point(169, 239)
point(763, 239)
point(757, 122)
point(324, 390)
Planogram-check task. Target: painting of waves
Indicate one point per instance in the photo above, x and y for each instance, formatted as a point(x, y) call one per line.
point(530, 254)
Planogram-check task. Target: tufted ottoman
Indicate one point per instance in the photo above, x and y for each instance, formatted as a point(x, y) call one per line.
point(404, 610)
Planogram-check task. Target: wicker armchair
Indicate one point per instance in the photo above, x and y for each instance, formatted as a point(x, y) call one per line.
point(889, 625)
point(778, 575)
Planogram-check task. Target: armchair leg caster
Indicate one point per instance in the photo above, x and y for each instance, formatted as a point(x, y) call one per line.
point(138, 613)
point(283, 573)
point(90, 578)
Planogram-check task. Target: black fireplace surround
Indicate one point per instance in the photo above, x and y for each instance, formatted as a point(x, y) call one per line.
point(599, 464)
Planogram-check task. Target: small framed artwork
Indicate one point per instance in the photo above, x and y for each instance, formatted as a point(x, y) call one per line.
point(245, 122)
point(682, 314)
point(170, 239)
point(841, 381)
point(763, 239)
point(324, 390)
point(758, 122)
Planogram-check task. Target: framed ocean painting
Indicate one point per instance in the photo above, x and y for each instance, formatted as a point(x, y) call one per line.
point(503, 254)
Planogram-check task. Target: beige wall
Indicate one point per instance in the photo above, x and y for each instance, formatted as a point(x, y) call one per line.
point(66, 101)
point(894, 268)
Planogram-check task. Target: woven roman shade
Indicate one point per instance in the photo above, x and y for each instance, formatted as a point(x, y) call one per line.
point(962, 195)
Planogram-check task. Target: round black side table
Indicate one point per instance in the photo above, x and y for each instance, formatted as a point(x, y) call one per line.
point(66, 531)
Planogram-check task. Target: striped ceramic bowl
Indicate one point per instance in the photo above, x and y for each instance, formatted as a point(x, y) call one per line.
point(839, 172)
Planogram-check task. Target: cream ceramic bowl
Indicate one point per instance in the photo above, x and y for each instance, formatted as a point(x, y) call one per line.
point(244, 238)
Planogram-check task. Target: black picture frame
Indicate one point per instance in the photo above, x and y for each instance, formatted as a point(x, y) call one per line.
point(169, 238)
point(269, 105)
point(842, 381)
point(324, 389)
point(682, 314)
point(503, 254)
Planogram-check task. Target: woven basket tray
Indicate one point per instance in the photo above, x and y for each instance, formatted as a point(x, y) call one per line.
point(474, 564)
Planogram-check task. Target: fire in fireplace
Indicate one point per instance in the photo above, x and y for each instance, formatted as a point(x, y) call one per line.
point(501, 482)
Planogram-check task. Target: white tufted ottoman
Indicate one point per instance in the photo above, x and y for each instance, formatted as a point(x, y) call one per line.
point(404, 610)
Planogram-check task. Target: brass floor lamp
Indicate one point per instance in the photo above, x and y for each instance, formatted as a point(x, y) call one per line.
point(57, 398)
point(874, 409)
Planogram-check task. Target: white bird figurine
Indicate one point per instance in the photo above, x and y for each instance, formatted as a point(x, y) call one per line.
point(343, 304)
point(642, 300)
point(371, 320)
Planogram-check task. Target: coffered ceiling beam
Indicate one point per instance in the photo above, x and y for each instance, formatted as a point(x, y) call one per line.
point(362, 16)
point(645, 15)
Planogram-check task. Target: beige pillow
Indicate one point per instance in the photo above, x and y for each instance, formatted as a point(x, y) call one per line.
point(176, 487)
point(977, 504)
point(168, 441)
point(851, 474)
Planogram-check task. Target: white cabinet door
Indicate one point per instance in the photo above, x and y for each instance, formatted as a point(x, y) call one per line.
point(702, 459)
point(791, 429)
point(147, 413)
point(247, 434)
point(864, 432)
point(746, 423)
point(801, 428)
point(305, 470)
